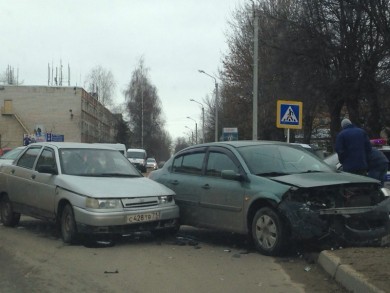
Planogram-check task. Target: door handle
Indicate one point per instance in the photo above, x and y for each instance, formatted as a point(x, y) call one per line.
point(206, 186)
point(33, 176)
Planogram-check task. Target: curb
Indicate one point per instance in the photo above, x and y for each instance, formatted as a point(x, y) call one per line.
point(345, 274)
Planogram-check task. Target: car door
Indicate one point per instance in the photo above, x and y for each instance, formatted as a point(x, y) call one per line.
point(221, 200)
point(185, 179)
point(19, 184)
point(44, 190)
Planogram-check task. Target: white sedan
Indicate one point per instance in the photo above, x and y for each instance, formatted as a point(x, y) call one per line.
point(87, 189)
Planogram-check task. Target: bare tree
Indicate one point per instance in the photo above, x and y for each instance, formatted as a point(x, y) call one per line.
point(100, 82)
point(145, 114)
point(180, 143)
point(330, 54)
point(351, 51)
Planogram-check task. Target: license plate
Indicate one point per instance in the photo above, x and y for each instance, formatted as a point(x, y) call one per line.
point(146, 217)
point(385, 240)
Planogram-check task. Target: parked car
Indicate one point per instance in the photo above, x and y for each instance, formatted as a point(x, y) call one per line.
point(151, 163)
point(312, 148)
point(11, 155)
point(3, 151)
point(275, 192)
point(87, 189)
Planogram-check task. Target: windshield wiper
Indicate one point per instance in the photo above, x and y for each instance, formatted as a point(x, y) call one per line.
point(272, 174)
point(105, 175)
point(311, 171)
point(114, 175)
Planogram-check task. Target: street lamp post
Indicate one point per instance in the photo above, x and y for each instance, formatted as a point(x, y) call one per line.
point(192, 100)
point(196, 129)
point(192, 134)
point(216, 102)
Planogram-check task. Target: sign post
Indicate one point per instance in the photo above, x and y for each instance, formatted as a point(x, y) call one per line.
point(289, 115)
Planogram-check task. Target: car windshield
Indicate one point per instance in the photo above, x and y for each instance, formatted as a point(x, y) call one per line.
point(136, 155)
point(96, 162)
point(12, 154)
point(276, 160)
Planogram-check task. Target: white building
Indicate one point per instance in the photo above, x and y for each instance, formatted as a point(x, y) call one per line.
point(68, 112)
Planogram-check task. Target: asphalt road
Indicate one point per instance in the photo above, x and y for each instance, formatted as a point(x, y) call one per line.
point(34, 259)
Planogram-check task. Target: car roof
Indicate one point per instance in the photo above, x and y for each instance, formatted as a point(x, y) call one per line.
point(242, 143)
point(76, 145)
point(136, 150)
point(235, 144)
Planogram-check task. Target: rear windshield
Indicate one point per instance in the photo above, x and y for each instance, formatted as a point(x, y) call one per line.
point(136, 155)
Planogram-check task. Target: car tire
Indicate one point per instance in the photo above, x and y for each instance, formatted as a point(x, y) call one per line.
point(268, 232)
point(8, 216)
point(68, 225)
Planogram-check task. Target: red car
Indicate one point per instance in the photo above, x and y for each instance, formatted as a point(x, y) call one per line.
point(4, 150)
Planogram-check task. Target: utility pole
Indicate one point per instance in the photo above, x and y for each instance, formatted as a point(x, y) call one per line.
point(196, 129)
point(216, 102)
point(255, 73)
point(202, 117)
point(142, 115)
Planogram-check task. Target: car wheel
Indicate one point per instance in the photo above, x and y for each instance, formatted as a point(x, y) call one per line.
point(68, 225)
point(268, 232)
point(8, 216)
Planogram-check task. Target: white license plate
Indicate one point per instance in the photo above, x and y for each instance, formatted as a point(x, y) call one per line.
point(385, 240)
point(146, 217)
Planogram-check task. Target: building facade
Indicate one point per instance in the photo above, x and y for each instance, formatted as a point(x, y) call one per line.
point(39, 112)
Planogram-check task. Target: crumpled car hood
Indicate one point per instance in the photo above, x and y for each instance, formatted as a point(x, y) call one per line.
point(112, 187)
point(308, 180)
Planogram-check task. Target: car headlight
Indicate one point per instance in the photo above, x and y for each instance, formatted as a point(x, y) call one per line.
point(94, 203)
point(165, 199)
point(385, 191)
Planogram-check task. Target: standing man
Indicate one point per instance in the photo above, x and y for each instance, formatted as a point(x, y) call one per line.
point(353, 148)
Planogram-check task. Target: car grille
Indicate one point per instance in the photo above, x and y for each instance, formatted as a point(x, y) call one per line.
point(140, 202)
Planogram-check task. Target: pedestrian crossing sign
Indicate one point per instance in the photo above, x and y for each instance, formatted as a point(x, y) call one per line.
point(289, 114)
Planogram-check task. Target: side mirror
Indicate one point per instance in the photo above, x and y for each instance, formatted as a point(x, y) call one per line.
point(231, 175)
point(47, 169)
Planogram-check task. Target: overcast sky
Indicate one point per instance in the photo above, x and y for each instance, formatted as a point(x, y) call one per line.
point(175, 38)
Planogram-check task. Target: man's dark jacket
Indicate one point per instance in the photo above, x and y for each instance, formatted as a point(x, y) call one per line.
point(353, 147)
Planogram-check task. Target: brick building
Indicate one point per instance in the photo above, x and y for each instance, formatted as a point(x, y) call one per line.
point(68, 112)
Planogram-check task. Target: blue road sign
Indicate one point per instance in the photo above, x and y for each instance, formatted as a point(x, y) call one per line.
point(289, 114)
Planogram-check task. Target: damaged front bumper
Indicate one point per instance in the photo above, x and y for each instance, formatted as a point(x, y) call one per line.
point(351, 225)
